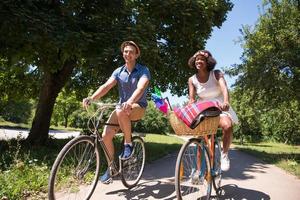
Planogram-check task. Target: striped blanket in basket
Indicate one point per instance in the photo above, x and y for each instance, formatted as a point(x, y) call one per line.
point(191, 112)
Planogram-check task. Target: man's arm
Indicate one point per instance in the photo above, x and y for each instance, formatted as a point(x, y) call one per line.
point(103, 89)
point(137, 94)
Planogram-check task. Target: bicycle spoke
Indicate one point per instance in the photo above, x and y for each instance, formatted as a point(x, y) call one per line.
point(216, 171)
point(193, 180)
point(75, 171)
point(133, 167)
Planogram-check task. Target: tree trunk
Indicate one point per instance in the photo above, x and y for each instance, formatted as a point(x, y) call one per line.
point(52, 85)
point(66, 121)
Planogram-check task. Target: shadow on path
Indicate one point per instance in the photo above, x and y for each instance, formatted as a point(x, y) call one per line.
point(233, 192)
point(248, 179)
point(241, 164)
point(148, 190)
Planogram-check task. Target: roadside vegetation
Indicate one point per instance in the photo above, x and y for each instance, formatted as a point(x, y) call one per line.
point(286, 157)
point(265, 94)
point(24, 170)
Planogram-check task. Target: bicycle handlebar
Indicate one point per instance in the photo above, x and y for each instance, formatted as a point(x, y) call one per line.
point(99, 104)
point(96, 115)
point(102, 105)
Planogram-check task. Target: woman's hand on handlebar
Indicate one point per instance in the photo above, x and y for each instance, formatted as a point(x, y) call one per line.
point(225, 106)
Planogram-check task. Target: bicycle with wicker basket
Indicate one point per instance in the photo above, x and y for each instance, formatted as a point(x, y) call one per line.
point(198, 164)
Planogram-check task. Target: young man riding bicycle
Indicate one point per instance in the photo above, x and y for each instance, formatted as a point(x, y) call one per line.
point(133, 80)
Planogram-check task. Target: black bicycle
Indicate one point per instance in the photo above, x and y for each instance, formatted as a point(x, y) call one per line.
point(76, 170)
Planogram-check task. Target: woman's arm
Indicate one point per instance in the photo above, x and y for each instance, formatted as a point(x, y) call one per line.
point(222, 82)
point(191, 90)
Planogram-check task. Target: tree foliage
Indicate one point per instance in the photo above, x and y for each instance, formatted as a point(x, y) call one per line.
point(267, 87)
point(154, 121)
point(66, 104)
point(77, 42)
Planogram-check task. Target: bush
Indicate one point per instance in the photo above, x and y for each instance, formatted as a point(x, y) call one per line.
point(19, 111)
point(154, 121)
point(282, 124)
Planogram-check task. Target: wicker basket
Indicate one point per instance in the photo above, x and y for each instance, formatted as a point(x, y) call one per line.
point(207, 127)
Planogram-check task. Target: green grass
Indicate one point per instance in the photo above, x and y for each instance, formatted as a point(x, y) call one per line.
point(284, 156)
point(24, 170)
point(7, 124)
point(158, 146)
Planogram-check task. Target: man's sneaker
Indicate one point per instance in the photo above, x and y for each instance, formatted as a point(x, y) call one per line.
point(127, 151)
point(225, 162)
point(105, 178)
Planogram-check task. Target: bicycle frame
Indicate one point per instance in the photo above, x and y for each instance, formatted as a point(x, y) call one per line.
point(79, 162)
point(109, 158)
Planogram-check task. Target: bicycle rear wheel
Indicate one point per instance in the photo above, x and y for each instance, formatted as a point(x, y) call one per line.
point(133, 167)
point(74, 174)
point(192, 172)
point(216, 170)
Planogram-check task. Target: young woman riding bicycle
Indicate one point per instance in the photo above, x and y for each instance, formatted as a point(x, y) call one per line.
point(209, 85)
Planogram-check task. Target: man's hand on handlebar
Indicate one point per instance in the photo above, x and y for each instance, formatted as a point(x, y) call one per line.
point(126, 106)
point(86, 102)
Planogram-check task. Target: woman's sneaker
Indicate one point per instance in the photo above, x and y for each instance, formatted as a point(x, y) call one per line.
point(196, 179)
point(225, 162)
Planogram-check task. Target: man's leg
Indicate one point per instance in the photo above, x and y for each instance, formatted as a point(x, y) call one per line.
point(109, 133)
point(136, 113)
point(124, 119)
point(107, 136)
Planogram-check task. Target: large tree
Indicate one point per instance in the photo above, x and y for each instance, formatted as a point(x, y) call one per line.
point(267, 90)
point(77, 42)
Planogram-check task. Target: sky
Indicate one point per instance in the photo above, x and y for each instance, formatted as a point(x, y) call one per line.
point(223, 41)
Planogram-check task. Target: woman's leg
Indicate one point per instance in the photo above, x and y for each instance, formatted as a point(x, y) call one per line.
point(226, 125)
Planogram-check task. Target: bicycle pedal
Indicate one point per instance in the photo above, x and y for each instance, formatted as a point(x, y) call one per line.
point(108, 181)
point(197, 181)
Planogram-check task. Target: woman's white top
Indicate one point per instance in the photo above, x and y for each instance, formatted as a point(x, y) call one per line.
point(211, 91)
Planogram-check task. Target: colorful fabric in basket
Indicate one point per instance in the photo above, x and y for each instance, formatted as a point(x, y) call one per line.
point(191, 112)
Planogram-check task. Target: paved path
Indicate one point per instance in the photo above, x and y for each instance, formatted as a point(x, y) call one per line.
point(247, 179)
point(6, 134)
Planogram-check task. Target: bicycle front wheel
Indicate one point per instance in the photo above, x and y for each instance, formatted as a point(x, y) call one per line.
point(74, 174)
point(192, 172)
point(216, 170)
point(133, 167)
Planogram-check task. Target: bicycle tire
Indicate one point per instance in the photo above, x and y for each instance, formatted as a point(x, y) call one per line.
point(187, 184)
point(75, 172)
point(216, 170)
point(133, 167)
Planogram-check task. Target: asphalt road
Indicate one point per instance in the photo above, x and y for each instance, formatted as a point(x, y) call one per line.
point(248, 178)
point(22, 133)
